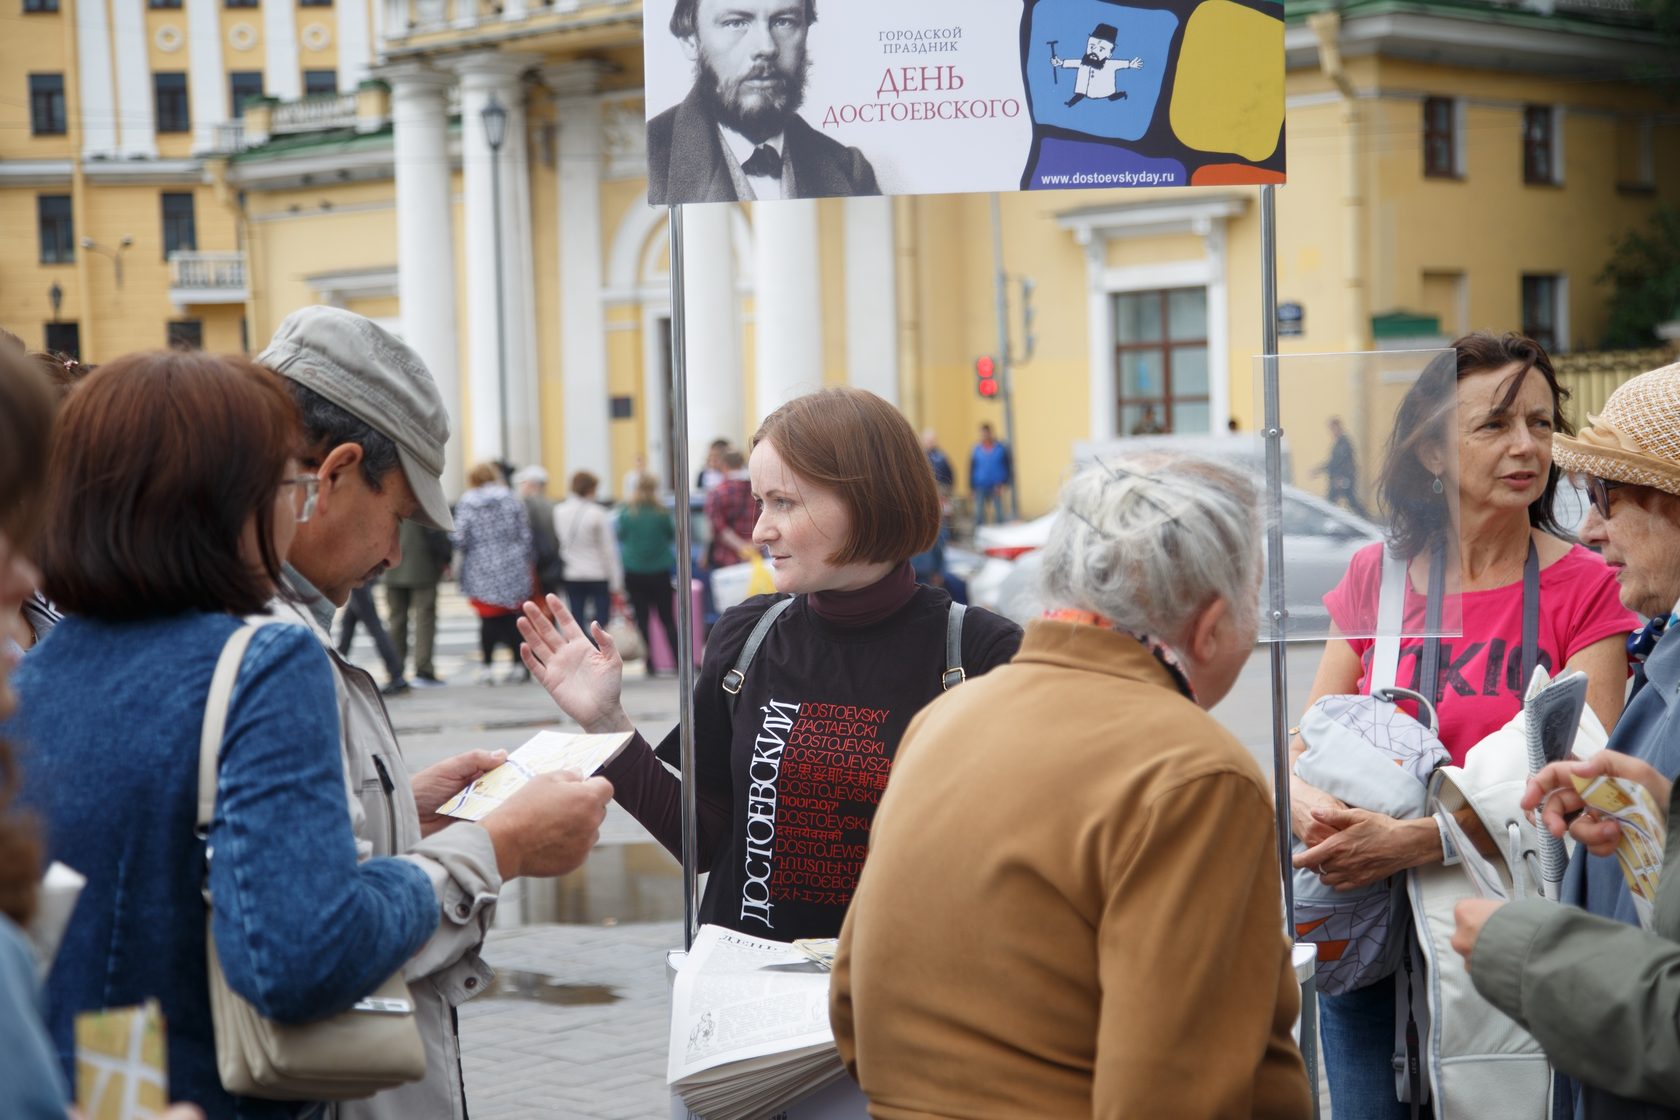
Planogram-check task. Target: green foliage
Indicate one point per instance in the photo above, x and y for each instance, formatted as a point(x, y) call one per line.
point(1644, 276)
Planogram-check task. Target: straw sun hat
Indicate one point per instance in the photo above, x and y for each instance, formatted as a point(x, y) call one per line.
point(1635, 439)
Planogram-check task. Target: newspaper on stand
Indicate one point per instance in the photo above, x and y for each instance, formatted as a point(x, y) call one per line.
point(544, 753)
point(749, 1027)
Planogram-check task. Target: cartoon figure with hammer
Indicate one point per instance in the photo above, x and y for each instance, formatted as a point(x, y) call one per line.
point(1097, 68)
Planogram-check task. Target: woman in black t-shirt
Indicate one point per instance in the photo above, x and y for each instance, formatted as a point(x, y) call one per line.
point(791, 767)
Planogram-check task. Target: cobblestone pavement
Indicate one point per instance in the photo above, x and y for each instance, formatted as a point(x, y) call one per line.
point(576, 1027)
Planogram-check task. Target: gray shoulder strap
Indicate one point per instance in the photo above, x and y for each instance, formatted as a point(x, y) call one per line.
point(215, 722)
point(733, 679)
point(953, 675)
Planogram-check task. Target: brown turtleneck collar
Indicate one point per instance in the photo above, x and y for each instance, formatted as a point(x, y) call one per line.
point(867, 605)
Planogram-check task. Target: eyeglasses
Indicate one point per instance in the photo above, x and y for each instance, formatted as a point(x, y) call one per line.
point(308, 486)
point(1598, 491)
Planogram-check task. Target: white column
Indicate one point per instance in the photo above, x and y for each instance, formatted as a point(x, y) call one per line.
point(583, 341)
point(93, 76)
point(787, 292)
point(715, 394)
point(134, 80)
point(1100, 339)
point(484, 75)
point(206, 84)
point(425, 244)
point(871, 298)
point(355, 43)
point(282, 74)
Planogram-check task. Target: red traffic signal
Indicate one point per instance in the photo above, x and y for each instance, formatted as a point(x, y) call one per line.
point(985, 377)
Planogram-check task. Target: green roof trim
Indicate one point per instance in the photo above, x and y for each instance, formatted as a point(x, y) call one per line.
point(1621, 21)
point(1405, 324)
point(326, 140)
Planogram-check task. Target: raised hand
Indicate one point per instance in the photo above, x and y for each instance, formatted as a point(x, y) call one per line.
point(585, 679)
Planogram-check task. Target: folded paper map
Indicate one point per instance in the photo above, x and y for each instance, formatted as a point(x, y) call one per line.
point(1644, 829)
point(120, 1063)
point(544, 753)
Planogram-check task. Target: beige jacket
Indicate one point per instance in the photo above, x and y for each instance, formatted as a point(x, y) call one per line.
point(1071, 906)
point(459, 860)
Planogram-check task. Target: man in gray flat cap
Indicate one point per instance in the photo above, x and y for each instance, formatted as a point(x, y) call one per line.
point(374, 433)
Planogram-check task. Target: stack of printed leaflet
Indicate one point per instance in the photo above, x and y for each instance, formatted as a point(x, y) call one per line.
point(749, 1026)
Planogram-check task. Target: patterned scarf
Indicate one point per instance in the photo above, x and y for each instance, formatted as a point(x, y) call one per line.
point(1159, 650)
point(1642, 641)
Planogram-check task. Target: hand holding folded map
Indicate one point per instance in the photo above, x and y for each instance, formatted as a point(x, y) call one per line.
point(544, 753)
point(1644, 830)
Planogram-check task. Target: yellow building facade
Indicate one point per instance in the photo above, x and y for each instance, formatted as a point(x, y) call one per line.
point(1437, 184)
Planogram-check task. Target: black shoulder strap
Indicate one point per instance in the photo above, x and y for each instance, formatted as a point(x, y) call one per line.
point(953, 675)
point(733, 679)
point(1531, 617)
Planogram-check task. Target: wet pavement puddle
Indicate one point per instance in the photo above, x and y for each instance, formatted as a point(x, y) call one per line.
point(539, 987)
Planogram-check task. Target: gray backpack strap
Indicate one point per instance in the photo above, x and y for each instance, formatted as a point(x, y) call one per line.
point(733, 679)
point(953, 675)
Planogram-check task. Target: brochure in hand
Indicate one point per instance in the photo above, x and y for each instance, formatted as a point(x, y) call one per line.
point(544, 753)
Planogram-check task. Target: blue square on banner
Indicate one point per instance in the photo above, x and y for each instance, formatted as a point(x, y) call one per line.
point(1121, 101)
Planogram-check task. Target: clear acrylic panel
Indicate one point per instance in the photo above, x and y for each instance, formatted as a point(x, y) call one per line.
point(1365, 439)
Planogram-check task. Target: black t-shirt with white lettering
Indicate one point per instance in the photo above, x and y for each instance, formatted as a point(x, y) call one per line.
point(802, 754)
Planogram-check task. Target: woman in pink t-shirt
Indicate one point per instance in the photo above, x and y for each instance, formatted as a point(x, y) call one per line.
point(1500, 493)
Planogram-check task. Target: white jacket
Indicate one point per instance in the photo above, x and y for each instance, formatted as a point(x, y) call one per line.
point(588, 544)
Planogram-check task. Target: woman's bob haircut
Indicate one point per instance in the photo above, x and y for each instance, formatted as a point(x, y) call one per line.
point(854, 443)
point(160, 462)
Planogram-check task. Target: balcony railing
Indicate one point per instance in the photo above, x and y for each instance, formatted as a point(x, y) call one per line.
point(404, 18)
point(207, 277)
point(312, 114)
point(230, 137)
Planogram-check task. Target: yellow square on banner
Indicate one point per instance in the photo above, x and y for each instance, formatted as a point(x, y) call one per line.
point(120, 1063)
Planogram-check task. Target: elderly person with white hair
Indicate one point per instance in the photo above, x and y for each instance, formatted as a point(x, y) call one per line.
point(1071, 906)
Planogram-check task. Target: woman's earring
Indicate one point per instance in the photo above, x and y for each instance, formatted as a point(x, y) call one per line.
point(1437, 487)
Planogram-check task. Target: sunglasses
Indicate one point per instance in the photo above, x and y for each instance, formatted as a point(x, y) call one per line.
point(1598, 491)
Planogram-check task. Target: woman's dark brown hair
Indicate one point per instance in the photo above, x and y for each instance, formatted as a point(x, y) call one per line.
point(26, 423)
point(856, 444)
point(161, 460)
point(1416, 515)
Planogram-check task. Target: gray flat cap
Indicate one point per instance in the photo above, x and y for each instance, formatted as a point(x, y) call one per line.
point(365, 370)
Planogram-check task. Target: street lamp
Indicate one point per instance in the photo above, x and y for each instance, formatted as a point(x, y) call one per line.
point(114, 254)
point(55, 296)
point(495, 117)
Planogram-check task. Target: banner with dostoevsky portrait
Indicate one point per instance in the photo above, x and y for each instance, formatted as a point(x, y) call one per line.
point(767, 99)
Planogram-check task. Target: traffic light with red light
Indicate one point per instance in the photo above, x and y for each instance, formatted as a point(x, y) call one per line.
point(985, 377)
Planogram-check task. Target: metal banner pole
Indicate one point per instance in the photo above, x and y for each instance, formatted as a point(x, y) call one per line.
point(685, 580)
point(1277, 611)
point(1006, 365)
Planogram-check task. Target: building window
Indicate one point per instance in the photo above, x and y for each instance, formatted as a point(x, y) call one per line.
point(1543, 312)
point(58, 228)
point(1161, 361)
point(318, 82)
point(243, 86)
point(186, 334)
point(1540, 145)
point(240, 3)
point(46, 104)
point(64, 338)
point(40, 6)
point(170, 93)
point(163, 3)
point(1636, 155)
point(315, 3)
point(1440, 138)
point(180, 231)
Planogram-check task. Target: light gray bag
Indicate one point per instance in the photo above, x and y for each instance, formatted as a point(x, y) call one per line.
point(372, 1047)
